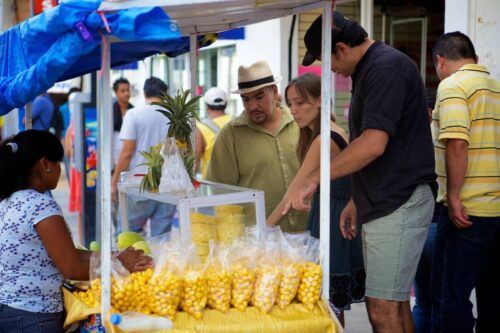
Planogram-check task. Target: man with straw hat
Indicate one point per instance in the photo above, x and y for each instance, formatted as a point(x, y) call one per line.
point(257, 148)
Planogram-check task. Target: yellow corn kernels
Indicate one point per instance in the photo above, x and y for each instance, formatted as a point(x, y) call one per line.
point(310, 285)
point(267, 280)
point(289, 283)
point(219, 288)
point(194, 293)
point(87, 297)
point(131, 294)
point(243, 279)
point(164, 293)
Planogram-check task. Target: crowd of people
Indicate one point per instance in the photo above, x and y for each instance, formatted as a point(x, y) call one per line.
point(413, 201)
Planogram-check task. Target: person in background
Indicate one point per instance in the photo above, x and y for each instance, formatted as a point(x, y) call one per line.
point(208, 129)
point(36, 249)
point(257, 149)
point(66, 117)
point(42, 109)
point(121, 105)
point(422, 310)
point(347, 273)
point(143, 127)
point(390, 161)
point(466, 134)
point(75, 201)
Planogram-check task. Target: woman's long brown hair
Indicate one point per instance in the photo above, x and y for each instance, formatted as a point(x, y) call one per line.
point(308, 87)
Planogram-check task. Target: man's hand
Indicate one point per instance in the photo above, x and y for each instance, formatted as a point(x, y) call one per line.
point(114, 193)
point(300, 195)
point(457, 213)
point(135, 260)
point(348, 222)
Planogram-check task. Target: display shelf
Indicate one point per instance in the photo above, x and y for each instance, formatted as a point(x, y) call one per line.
point(207, 194)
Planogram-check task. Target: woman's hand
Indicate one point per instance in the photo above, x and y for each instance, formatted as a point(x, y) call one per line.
point(135, 260)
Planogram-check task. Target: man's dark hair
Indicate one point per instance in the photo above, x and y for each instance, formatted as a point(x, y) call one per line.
point(454, 46)
point(216, 107)
point(119, 81)
point(155, 87)
point(353, 34)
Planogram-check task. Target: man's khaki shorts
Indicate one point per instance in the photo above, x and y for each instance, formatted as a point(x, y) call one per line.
point(392, 246)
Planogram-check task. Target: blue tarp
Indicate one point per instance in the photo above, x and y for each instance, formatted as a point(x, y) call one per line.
point(63, 43)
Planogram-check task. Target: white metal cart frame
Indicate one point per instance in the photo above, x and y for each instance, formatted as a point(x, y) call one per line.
point(204, 196)
point(199, 17)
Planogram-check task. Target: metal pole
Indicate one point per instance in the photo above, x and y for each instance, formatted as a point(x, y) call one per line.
point(28, 119)
point(367, 16)
point(193, 62)
point(105, 122)
point(260, 210)
point(423, 50)
point(384, 18)
point(326, 97)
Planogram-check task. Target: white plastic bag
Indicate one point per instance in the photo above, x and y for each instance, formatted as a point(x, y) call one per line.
point(174, 177)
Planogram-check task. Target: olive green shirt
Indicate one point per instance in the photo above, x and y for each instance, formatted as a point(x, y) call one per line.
point(247, 155)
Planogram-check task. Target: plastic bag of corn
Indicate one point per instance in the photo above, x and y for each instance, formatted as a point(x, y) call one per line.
point(309, 291)
point(218, 278)
point(242, 272)
point(165, 286)
point(267, 271)
point(131, 293)
point(291, 254)
point(128, 290)
point(194, 285)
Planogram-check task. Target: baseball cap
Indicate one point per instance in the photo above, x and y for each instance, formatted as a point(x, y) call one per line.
point(312, 38)
point(215, 96)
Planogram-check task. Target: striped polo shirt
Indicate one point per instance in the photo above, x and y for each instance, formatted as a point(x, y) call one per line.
point(468, 108)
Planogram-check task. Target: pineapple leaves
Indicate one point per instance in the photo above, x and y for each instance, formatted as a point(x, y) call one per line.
point(181, 112)
point(154, 162)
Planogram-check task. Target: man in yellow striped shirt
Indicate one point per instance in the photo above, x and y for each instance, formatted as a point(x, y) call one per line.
point(466, 133)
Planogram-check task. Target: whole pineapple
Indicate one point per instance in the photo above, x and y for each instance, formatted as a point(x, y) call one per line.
point(181, 114)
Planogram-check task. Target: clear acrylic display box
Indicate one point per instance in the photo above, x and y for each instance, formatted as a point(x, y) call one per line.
point(206, 197)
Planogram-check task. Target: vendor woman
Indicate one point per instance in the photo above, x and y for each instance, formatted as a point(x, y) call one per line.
point(36, 249)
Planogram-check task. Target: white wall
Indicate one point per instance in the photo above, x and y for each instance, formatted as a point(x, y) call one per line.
point(480, 20)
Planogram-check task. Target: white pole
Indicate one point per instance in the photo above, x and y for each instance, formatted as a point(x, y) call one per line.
point(326, 97)
point(193, 59)
point(384, 18)
point(105, 123)
point(367, 16)
point(28, 119)
point(423, 49)
point(193, 82)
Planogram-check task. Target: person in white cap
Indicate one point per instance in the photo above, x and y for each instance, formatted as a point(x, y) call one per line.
point(208, 129)
point(257, 148)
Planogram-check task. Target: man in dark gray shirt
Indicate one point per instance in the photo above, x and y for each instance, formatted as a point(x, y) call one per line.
point(391, 160)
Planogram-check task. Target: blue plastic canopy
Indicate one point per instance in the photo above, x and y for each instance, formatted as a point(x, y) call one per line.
point(63, 43)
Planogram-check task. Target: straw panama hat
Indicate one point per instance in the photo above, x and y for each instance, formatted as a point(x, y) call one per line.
point(255, 77)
